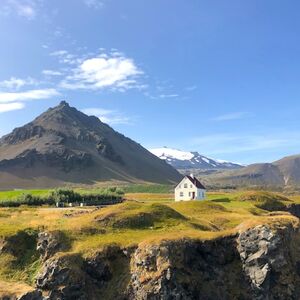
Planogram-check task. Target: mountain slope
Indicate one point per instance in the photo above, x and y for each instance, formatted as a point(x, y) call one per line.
point(283, 173)
point(182, 160)
point(64, 146)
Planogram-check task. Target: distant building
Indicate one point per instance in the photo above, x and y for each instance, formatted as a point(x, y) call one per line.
point(189, 188)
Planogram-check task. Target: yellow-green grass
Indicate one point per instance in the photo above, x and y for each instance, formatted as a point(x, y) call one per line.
point(144, 218)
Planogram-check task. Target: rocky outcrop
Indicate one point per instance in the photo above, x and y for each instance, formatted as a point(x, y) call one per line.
point(294, 209)
point(262, 262)
point(62, 277)
point(268, 262)
point(66, 276)
point(48, 243)
point(187, 269)
point(23, 133)
point(32, 295)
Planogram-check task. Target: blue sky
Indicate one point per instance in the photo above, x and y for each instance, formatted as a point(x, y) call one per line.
point(220, 77)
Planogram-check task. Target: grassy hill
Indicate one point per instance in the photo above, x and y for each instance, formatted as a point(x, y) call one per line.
point(143, 218)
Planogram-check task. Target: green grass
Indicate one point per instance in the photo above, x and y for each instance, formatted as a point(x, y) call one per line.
point(149, 188)
point(10, 195)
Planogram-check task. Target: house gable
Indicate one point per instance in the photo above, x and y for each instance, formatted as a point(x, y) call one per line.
point(189, 188)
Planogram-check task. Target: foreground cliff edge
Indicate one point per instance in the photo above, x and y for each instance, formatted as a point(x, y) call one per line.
point(224, 249)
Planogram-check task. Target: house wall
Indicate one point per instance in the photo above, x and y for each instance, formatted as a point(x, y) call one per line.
point(184, 191)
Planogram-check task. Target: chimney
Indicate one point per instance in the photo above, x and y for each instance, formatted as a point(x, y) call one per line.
point(192, 175)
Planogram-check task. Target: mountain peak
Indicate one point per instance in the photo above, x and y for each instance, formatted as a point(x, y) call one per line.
point(64, 145)
point(191, 160)
point(64, 103)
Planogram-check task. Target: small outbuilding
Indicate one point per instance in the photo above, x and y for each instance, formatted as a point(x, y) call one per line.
point(190, 188)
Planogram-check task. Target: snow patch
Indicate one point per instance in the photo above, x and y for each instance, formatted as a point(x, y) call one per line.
point(165, 153)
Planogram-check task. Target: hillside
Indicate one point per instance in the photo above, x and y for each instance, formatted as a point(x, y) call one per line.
point(184, 161)
point(284, 173)
point(64, 146)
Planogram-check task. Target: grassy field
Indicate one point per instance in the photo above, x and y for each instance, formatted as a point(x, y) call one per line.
point(136, 188)
point(143, 218)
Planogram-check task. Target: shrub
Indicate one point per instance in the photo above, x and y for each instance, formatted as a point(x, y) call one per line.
point(102, 197)
point(65, 196)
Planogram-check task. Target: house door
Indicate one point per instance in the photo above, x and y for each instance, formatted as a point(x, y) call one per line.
point(193, 196)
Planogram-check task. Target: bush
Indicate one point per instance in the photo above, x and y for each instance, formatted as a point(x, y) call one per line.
point(65, 196)
point(62, 196)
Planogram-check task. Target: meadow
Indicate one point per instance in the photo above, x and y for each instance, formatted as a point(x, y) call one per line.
point(145, 217)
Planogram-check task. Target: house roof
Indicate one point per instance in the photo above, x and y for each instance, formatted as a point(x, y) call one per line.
point(196, 182)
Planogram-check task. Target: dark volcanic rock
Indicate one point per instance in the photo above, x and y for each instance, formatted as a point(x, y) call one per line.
point(258, 263)
point(294, 209)
point(266, 257)
point(33, 295)
point(63, 278)
point(48, 243)
point(187, 270)
point(24, 133)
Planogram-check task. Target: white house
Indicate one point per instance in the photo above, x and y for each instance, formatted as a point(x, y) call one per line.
point(189, 188)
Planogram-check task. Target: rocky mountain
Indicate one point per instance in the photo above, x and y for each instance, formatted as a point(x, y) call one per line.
point(182, 160)
point(64, 146)
point(283, 173)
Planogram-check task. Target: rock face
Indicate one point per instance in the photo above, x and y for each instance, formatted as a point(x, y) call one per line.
point(259, 263)
point(269, 262)
point(185, 270)
point(63, 278)
point(48, 243)
point(33, 295)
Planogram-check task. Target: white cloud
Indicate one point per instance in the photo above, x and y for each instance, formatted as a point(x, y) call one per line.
point(5, 107)
point(51, 73)
point(163, 96)
point(191, 88)
point(16, 83)
point(231, 116)
point(105, 71)
point(27, 95)
point(64, 57)
point(23, 8)
point(96, 4)
point(59, 53)
point(110, 117)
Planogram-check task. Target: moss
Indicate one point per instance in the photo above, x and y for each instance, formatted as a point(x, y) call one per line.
point(138, 216)
point(19, 259)
point(271, 205)
point(260, 196)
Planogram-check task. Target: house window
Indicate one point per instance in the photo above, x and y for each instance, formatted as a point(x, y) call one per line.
point(190, 194)
point(191, 186)
point(185, 185)
point(181, 194)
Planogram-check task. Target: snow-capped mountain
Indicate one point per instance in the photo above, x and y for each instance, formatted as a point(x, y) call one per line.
point(192, 160)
